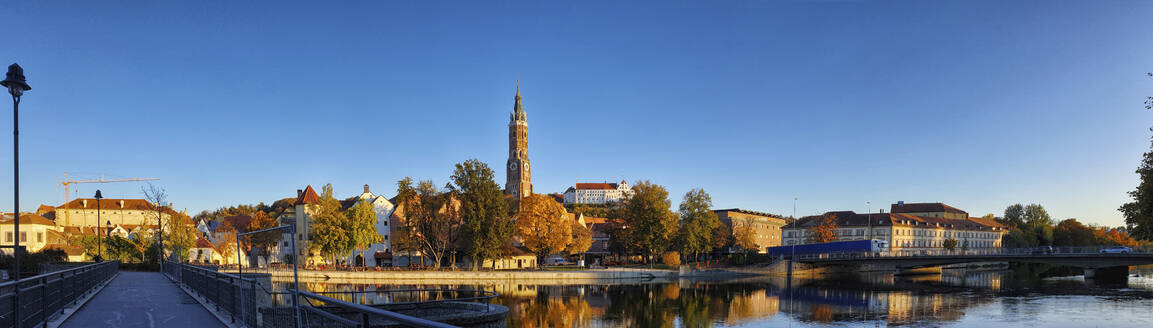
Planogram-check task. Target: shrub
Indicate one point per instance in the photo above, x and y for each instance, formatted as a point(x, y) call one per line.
point(672, 259)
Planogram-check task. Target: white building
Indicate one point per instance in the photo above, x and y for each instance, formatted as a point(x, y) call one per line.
point(379, 254)
point(597, 193)
point(83, 212)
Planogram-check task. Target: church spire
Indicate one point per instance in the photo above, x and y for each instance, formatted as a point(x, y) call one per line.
point(517, 110)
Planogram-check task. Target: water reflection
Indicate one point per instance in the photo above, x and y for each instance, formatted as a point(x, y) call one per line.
point(1013, 297)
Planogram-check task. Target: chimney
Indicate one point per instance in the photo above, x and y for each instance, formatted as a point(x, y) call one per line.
point(366, 188)
point(84, 203)
point(299, 193)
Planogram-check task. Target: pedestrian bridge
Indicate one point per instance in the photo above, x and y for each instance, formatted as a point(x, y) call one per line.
point(1089, 258)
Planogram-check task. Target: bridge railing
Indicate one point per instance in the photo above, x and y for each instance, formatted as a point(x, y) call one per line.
point(1032, 251)
point(353, 315)
point(228, 292)
point(44, 297)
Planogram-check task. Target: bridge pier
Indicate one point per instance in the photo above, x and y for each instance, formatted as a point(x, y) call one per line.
point(1107, 273)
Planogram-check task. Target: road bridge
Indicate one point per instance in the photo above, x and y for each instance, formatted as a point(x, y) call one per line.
point(1088, 258)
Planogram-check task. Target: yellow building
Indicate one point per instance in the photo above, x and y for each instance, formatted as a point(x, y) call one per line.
point(915, 227)
point(765, 228)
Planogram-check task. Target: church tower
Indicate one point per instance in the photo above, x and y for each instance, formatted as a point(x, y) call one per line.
point(519, 183)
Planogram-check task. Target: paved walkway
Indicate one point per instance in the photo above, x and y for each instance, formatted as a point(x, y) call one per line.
point(142, 299)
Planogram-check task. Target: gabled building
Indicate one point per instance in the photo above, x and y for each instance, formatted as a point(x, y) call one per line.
point(377, 254)
point(597, 193)
point(83, 212)
point(299, 215)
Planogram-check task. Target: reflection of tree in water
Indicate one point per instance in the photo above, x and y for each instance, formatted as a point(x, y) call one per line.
point(552, 306)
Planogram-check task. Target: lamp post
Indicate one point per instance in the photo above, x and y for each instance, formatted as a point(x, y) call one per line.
point(99, 242)
point(16, 83)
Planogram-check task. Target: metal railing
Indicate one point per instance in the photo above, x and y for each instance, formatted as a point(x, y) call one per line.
point(356, 315)
point(228, 292)
point(45, 296)
point(406, 296)
point(1029, 251)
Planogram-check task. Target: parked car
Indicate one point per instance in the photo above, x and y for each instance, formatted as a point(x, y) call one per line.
point(1117, 250)
point(1041, 250)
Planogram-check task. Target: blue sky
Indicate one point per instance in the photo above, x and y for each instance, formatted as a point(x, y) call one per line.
point(838, 103)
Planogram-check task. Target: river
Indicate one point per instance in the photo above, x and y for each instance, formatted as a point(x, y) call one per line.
point(956, 298)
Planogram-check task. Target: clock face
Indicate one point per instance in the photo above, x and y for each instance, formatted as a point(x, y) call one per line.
point(512, 166)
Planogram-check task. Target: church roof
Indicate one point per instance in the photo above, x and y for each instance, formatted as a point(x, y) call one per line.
point(517, 110)
point(308, 196)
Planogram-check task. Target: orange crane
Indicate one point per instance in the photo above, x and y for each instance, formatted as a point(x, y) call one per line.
point(67, 182)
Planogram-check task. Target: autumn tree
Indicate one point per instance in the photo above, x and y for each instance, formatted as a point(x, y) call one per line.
point(542, 226)
point(328, 237)
point(743, 238)
point(582, 240)
point(488, 229)
point(825, 230)
point(697, 223)
point(264, 241)
point(226, 240)
point(1072, 233)
point(652, 226)
point(722, 237)
point(434, 217)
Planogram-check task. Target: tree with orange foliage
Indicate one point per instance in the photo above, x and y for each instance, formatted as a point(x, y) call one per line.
point(542, 226)
point(824, 231)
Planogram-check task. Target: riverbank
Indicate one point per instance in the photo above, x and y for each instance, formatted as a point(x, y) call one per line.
point(466, 277)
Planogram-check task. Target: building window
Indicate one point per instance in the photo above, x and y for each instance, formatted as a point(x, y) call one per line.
point(40, 237)
point(8, 237)
point(24, 237)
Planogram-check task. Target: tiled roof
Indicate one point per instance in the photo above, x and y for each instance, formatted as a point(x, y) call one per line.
point(71, 250)
point(28, 218)
point(851, 219)
point(738, 210)
point(924, 207)
point(308, 196)
point(605, 186)
point(203, 243)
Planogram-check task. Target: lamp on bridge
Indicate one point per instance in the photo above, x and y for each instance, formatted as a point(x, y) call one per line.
point(99, 252)
point(16, 83)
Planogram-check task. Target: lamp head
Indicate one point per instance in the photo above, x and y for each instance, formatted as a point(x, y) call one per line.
point(14, 80)
point(98, 195)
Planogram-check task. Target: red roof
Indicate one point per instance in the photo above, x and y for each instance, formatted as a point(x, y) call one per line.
point(605, 186)
point(203, 243)
point(308, 196)
point(594, 220)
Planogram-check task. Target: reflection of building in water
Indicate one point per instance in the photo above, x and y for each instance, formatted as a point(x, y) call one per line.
point(899, 301)
point(751, 306)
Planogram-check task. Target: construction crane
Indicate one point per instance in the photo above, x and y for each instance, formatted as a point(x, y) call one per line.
point(67, 182)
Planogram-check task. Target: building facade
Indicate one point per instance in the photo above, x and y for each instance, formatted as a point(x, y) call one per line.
point(920, 227)
point(83, 213)
point(763, 228)
point(597, 193)
point(300, 216)
point(518, 183)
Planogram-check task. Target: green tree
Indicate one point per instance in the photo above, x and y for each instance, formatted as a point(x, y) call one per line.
point(697, 223)
point(1139, 213)
point(542, 226)
point(487, 227)
point(950, 244)
point(361, 227)
point(722, 237)
point(1014, 216)
point(651, 224)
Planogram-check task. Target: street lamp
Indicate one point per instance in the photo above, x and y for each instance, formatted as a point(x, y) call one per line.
point(16, 83)
point(99, 253)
